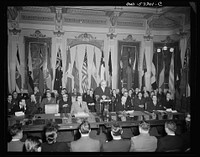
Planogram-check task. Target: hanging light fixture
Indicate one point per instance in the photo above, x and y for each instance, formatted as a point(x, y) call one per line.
point(158, 50)
point(171, 49)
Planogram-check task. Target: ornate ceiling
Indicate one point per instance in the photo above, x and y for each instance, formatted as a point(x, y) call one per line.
point(162, 18)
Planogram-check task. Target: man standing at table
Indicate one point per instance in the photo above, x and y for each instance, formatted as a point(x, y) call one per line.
point(101, 92)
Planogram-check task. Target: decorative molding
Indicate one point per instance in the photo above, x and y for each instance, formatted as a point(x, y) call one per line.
point(148, 37)
point(129, 38)
point(37, 17)
point(58, 33)
point(111, 35)
point(85, 12)
point(59, 19)
point(113, 17)
point(168, 40)
point(85, 21)
point(12, 13)
point(85, 37)
point(131, 23)
point(15, 31)
point(38, 34)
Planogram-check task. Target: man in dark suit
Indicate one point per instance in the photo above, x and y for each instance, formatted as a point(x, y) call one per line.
point(143, 142)
point(79, 106)
point(101, 92)
point(117, 144)
point(85, 143)
point(170, 142)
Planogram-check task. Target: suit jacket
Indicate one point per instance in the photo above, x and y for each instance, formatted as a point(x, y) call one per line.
point(137, 102)
point(143, 143)
point(122, 145)
point(85, 144)
point(170, 143)
point(100, 92)
point(65, 109)
point(151, 107)
point(55, 147)
point(76, 107)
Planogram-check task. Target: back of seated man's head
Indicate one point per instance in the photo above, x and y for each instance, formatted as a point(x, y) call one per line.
point(16, 131)
point(85, 128)
point(51, 132)
point(116, 129)
point(170, 127)
point(144, 127)
point(33, 144)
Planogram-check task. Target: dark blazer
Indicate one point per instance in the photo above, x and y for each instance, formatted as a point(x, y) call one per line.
point(122, 145)
point(143, 143)
point(85, 144)
point(55, 147)
point(137, 102)
point(170, 143)
point(99, 91)
point(168, 104)
point(150, 106)
point(64, 109)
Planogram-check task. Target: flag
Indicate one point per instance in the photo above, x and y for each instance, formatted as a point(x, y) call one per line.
point(184, 84)
point(110, 70)
point(102, 74)
point(135, 68)
point(41, 73)
point(94, 72)
point(75, 72)
point(68, 71)
point(58, 73)
point(161, 77)
point(129, 71)
point(49, 70)
point(85, 73)
point(144, 68)
point(18, 77)
point(154, 72)
point(30, 73)
point(120, 84)
point(171, 76)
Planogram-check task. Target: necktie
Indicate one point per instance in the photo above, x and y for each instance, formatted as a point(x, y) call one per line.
point(80, 105)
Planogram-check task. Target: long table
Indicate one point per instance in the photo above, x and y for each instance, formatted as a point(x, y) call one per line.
point(67, 122)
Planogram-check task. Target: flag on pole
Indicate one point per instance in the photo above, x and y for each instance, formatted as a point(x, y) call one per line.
point(68, 71)
point(171, 76)
point(135, 72)
point(41, 75)
point(30, 73)
point(144, 68)
point(110, 70)
point(59, 72)
point(184, 84)
point(49, 70)
point(102, 68)
point(85, 73)
point(18, 78)
point(161, 78)
point(75, 72)
point(94, 72)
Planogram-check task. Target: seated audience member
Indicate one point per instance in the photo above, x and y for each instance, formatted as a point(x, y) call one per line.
point(171, 142)
point(168, 102)
point(143, 142)
point(186, 136)
point(117, 144)
point(56, 95)
point(160, 95)
point(139, 102)
point(85, 143)
point(32, 105)
point(154, 104)
point(15, 145)
point(79, 106)
point(9, 104)
point(115, 98)
point(47, 100)
point(33, 144)
point(90, 101)
point(129, 101)
point(65, 104)
point(15, 98)
point(86, 94)
point(121, 106)
point(51, 144)
point(37, 94)
point(21, 107)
